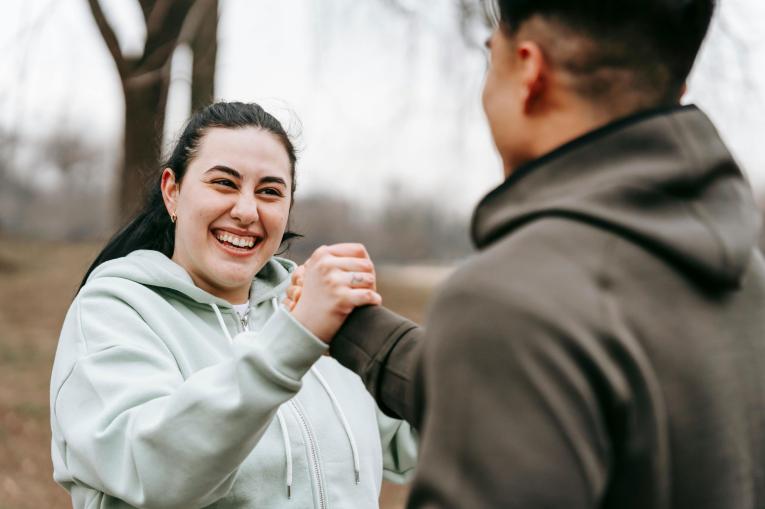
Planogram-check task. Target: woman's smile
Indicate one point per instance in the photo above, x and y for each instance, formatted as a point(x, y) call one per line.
point(236, 243)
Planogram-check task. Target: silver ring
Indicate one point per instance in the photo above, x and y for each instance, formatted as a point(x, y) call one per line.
point(356, 279)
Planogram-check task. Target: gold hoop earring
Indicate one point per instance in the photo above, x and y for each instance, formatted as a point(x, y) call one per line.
point(173, 217)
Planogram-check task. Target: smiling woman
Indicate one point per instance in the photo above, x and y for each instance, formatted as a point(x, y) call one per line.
point(233, 208)
point(181, 381)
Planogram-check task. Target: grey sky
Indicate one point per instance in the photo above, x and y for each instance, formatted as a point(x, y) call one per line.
point(378, 95)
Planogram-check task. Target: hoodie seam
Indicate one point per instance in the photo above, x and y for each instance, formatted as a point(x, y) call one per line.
point(605, 285)
point(608, 306)
point(80, 341)
point(685, 147)
point(566, 210)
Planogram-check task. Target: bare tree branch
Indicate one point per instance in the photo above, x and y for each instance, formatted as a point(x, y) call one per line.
point(470, 15)
point(157, 15)
point(109, 37)
point(204, 47)
point(194, 19)
point(146, 6)
point(162, 30)
point(144, 79)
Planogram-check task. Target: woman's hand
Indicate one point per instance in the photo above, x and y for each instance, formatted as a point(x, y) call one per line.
point(335, 280)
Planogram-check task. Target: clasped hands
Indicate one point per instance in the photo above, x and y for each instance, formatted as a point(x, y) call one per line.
point(334, 281)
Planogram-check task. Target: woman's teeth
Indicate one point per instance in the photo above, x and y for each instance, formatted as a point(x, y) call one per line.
point(243, 242)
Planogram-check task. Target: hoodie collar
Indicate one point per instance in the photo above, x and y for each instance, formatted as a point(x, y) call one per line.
point(661, 178)
point(152, 268)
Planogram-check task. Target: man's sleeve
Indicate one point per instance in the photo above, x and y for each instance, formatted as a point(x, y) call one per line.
point(383, 349)
point(512, 418)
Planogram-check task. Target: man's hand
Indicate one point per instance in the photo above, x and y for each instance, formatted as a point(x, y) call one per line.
point(332, 282)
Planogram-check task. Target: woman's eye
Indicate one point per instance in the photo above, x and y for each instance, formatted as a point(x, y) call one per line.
point(224, 182)
point(271, 191)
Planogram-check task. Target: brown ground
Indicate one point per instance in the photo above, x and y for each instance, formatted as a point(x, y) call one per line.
point(37, 283)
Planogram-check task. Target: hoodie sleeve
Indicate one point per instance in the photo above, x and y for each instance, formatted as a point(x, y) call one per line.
point(131, 426)
point(383, 348)
point(399, 443)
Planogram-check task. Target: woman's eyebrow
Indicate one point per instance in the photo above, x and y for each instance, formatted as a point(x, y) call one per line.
point(273, 180)
point(225, 169)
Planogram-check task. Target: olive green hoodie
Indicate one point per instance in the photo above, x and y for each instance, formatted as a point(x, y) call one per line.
point(609, 333)
point(161, 398)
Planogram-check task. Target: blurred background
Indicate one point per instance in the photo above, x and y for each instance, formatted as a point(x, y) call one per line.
point(382, 98)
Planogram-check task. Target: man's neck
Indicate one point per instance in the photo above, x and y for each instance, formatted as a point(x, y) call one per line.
point(558, 128)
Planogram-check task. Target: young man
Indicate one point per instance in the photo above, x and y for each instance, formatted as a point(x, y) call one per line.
point(606, 346)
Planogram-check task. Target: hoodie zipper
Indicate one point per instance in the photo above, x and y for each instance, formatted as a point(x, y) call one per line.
point(314, 453)
point(242, 321)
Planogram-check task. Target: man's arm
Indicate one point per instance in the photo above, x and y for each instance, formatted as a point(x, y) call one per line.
point(383, 348)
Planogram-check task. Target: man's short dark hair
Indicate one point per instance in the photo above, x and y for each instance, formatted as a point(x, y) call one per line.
point(642, 48)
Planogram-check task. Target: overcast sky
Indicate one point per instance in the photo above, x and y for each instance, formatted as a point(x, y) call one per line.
point(370, 94)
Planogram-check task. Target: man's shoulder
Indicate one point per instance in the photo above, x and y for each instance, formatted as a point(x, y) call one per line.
point(538, 278)
point(534, 293)
point(551, 257)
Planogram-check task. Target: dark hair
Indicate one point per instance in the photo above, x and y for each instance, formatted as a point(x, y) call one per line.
point(152, 228)
point(649, 44)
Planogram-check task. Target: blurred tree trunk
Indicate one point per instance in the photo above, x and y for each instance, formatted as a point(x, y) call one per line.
point(146, 80)
point(204, 46)
point(144, 118)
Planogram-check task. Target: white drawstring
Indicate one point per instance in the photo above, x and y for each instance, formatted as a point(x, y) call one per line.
point(287, 450)
point(221, 322)
point(275, 303)
point(346, 426)
point(283, 422)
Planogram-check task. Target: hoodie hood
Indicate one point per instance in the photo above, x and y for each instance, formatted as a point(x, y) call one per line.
point(152, 268)
point(663, 179)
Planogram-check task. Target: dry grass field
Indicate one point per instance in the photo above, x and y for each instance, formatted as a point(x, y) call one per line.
point(37, 283)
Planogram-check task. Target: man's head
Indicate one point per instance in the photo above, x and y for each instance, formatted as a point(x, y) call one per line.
point(565, 66)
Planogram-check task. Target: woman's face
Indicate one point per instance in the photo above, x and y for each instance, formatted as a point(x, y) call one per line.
point(232, 208)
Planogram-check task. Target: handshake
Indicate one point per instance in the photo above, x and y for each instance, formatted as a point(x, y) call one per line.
point(334, 281)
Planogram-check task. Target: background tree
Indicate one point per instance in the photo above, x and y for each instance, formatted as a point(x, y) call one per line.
point(146, 80)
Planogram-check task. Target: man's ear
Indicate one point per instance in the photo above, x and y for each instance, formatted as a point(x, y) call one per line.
point(533, 71)
point(170, 190)
point(683, 91)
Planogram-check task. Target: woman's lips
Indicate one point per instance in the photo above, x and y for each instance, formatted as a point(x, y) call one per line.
point(237, 245)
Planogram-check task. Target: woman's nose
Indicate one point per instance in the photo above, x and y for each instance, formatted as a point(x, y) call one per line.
point(245, 209)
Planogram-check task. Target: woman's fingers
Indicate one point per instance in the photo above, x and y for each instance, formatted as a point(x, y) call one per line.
point(363, 297)
point(297, 275)
point(356, 280)
point(331, 283)
point(293, 296)
point(351, 280)
point(352, 264)
point(348, 249)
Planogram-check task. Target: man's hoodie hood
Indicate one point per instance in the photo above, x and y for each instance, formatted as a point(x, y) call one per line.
point(152, 268)
point(663, 179)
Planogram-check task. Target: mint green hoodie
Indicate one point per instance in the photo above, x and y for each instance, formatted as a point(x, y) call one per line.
point(161, 399)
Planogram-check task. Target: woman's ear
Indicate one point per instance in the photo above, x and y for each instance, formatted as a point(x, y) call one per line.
point(170, 189)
